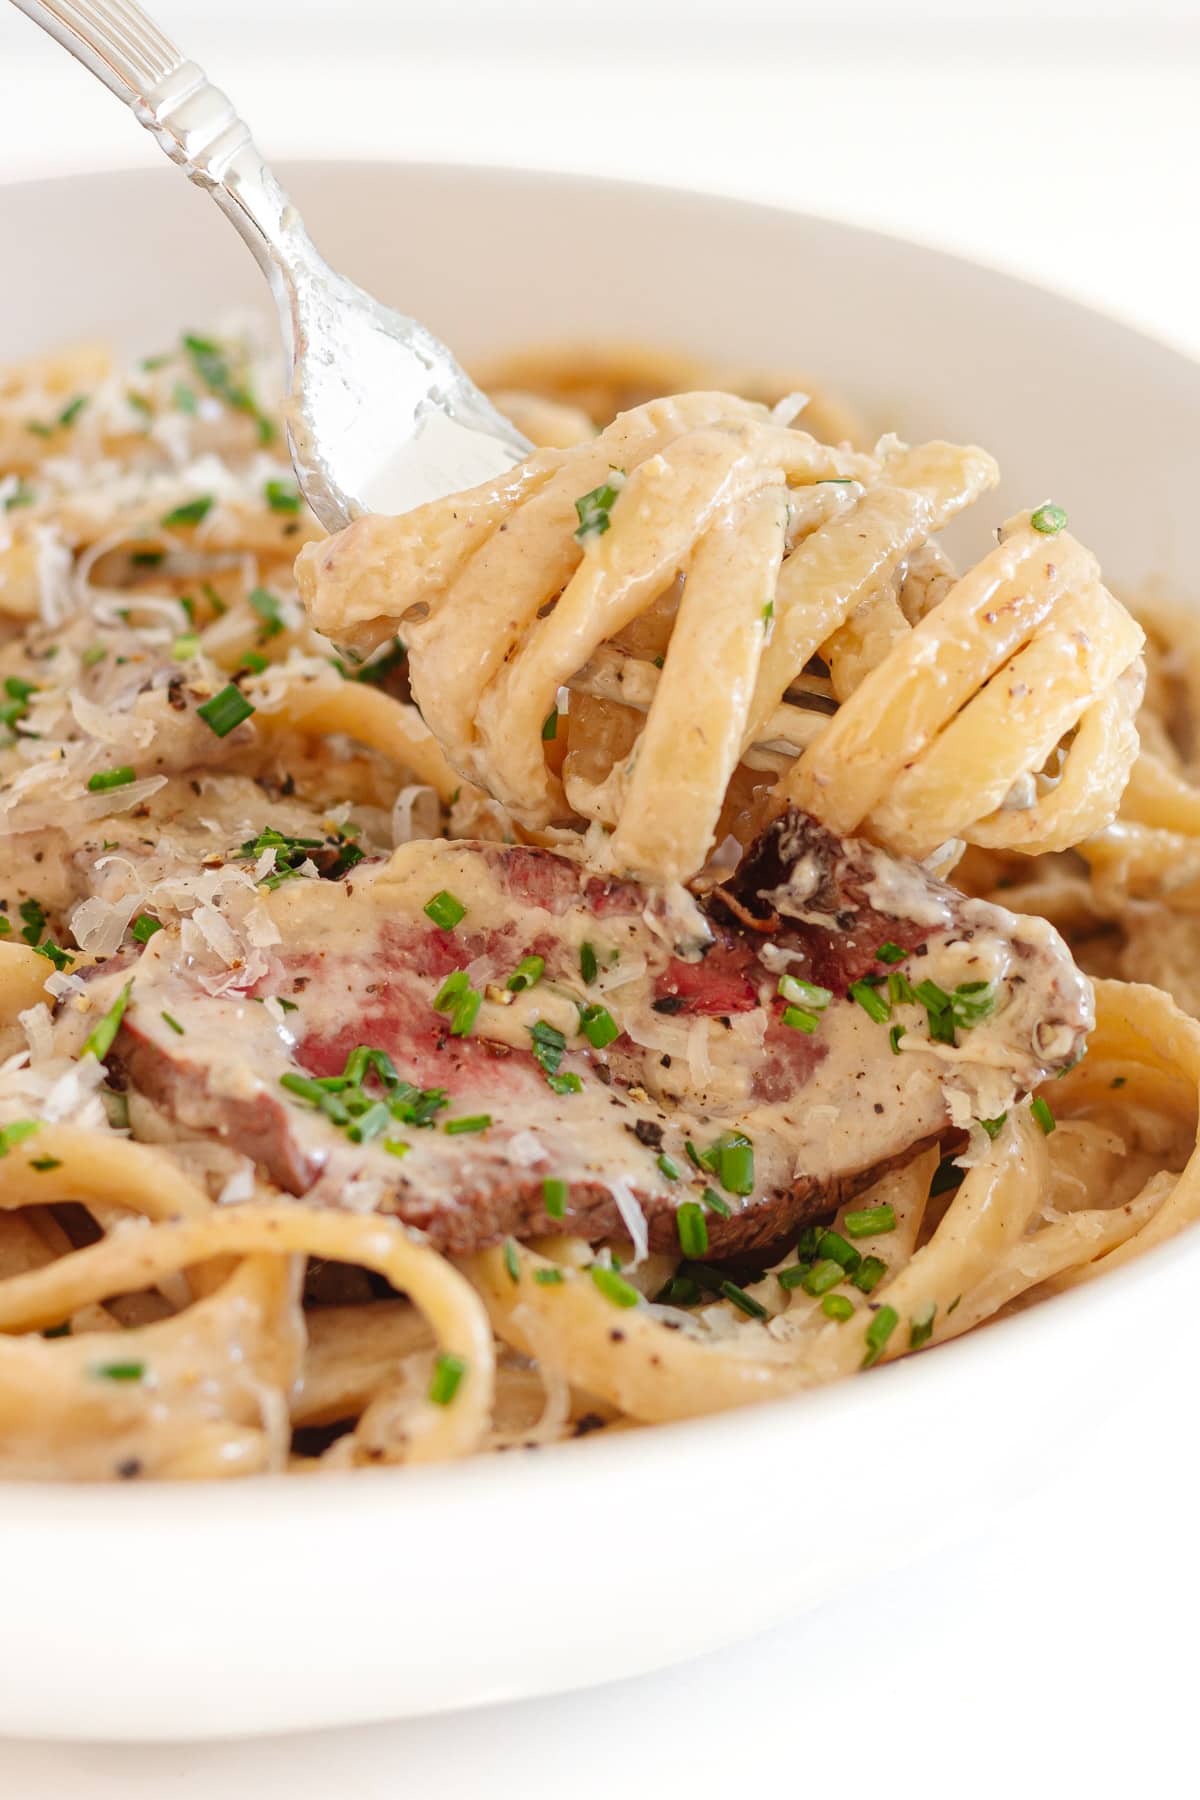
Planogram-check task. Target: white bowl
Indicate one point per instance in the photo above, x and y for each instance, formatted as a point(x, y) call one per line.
point(270, 1605)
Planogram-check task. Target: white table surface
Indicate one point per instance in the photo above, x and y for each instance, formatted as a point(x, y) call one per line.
point(1056, 1645)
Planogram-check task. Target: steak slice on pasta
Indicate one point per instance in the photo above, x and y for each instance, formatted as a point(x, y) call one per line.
point(561, 1052)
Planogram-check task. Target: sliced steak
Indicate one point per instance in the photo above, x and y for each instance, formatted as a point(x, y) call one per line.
point(701, 1049)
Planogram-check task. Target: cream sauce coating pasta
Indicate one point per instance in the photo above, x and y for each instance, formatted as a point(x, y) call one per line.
point(692, 608)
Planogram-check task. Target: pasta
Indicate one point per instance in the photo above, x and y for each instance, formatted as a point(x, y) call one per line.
point(703, 624)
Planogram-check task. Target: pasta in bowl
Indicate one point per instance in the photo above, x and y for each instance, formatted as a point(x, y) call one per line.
point(600, 949)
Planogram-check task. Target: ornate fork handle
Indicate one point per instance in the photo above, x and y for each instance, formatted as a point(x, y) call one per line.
point(380, 416)
point(195, 123)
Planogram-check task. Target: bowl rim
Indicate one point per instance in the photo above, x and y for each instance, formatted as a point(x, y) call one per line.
point(630, 189)
point(267, 1499)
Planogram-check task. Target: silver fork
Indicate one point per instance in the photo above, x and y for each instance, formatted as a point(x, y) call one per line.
point(380, 416)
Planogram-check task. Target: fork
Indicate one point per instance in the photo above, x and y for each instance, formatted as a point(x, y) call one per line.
point(380, 416)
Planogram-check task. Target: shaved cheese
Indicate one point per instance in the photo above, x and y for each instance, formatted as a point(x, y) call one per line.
point(99, 926)
point(39, 1035)
point(114, 800)
point(632, 1216)
point(240, 1185)
point(525, 1150)
point(54, 574)
point(416, 813)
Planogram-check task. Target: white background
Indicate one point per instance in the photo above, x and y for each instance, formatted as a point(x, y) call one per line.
point(1055, 1647)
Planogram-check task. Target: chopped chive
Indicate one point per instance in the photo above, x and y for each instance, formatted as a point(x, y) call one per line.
point(253, 663)
point(448, 1372)
point(870, 1221)
point(768, 613)
point(920, 1329)
point(1045, 1118)
point(370, 1124)
point(717, 1203)
point(466, 1009)
point(692, 1228)
point(735, 1163)
point(146, 559)
point(869, 1273)
point(555, 1194)
point(594, 508)
point(804, 993)
point(103, 779)
point(119, 1371)
point(511, 1264)
point(953, 1304)
point(568, 1083)
point(822, 1276)
point(62, 959)
point(587, 963)
point(993, 1127)
point(941, 1027)
point(34, 917)
point(737, 1296)
point(225, 710)
point(878, 1332)
point(476, 1122)
point(43, 1164)
point(1049, 519)
point(16, 1133)
point(793, 1275)
point(72, 409)
point(1118, 1081)
point(183, 398)
point(100, 1040)
point(549, 1046)
point(681, 1290)
point(395, 1146)
point(173, 1023)
point(192, 512)
point(837, 1306)
point(900, 989)
point(614, 1287)
point(890, 953)
point(265, 604)
point(527, 974)
point(550, 726)
point(872, 1003)
point(599, 1026)
point(454, 985)
point(946, 1176)
point(445, 911)
point(932, 997)
point(796, 1019)
point(22, 495)
point(972, 1001)
point(832, 1245)
point(186, 647)
point(894, 1036)
point(548, 1277)
point(282, 496)
point(5, 926)
point(669, 1168)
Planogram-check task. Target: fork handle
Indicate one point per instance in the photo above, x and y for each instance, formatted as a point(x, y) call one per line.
point(195, 123)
